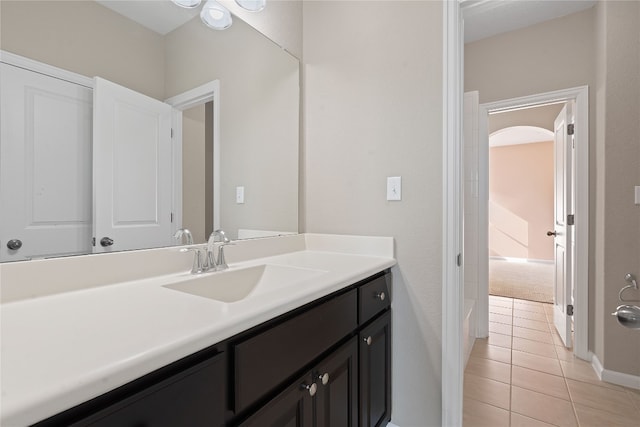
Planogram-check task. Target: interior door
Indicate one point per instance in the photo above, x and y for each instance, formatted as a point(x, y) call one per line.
point(562, 233)
point(45, 165)
point(132, 169)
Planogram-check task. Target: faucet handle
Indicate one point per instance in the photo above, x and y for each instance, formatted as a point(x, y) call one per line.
point(199, 265)
point(222, 263)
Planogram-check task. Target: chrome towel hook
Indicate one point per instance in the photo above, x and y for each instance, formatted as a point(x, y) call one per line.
point(631, 284)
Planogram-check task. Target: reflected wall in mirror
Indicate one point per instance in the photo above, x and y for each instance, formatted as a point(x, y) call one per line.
point(258, 108)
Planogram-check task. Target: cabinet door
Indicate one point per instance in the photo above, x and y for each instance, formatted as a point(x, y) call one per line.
point(375, 372)
point(337, 380)
point(291, 408)
point(194, 397)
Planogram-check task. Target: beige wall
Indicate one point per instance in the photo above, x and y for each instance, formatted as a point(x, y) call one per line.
point(193, 169)
point(78, 36)
point(259, 118)
point(373, 109)
point(542, 117)
point(521, 183)
point(597, 47)
point(617, 237)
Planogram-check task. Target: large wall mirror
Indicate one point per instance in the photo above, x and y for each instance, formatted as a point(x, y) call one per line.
point(257, 124)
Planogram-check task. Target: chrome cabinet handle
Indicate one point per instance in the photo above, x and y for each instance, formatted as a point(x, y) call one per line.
point(381, 296)
point(367, 340)
point(312, 388)
point(324, 378)
point(106, 241)
point(551, 233)
point(14, 244)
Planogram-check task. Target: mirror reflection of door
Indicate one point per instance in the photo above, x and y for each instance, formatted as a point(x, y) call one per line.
point(45, 170)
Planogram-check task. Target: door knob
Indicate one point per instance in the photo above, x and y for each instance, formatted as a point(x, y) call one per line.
point(106, 241)
point(551, 233)
point(367, 340)
point(381, 296)
point(324, 378)
point(313, 388)
point(14, 244)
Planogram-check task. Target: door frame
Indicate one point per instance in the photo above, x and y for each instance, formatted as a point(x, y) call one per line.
point(580, 261)
point(197, 96)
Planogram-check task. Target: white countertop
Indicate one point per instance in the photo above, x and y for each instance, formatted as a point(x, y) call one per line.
point(60, 350)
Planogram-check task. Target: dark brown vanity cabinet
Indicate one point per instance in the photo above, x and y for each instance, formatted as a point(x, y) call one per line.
point(326, 364)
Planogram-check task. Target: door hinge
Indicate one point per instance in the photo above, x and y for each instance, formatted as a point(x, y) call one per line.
point(570, 310)
point(570, 129)
point(93, 241)
point(171, 132)
point(171, 216)
point(459, 260)
point(571, 219)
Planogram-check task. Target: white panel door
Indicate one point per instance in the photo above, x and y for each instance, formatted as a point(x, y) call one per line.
point(562, 231)
point(132, 169)
point(45, 165)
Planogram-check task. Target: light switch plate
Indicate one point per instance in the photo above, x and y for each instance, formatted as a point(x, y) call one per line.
point(394, 188)
point(239, 195)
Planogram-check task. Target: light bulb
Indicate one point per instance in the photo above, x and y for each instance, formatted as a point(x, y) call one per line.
point(252, 5)
point(215, 16)
point(188, 4)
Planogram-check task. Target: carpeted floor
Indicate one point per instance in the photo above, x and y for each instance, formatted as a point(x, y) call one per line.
point(531, 281)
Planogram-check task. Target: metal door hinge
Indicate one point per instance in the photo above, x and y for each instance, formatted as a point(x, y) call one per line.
point(571, 219)
point(459, 260)
point(570, 310)
point(171, 132)
point(171, 216)
point(93, 241)
point(570, 129)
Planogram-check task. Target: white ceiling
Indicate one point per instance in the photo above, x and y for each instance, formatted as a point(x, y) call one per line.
point(161, 16)
point(482, 18)
point(486, 18)
point(516, 135)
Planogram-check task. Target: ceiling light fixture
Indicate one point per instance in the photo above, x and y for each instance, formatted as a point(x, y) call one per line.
point(215, 16)
point(187, 4)
point(252, 5)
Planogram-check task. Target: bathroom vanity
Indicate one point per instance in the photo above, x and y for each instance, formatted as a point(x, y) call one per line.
point(308, 343)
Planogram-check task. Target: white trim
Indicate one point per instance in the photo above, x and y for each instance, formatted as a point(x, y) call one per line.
point(176, 142)
point(191, 98)
point(452, 280)
point(614, 377)
point(581, 279)
point(46, 69)
point(482, 305)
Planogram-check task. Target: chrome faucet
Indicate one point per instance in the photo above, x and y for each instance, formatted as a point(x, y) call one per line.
point(184, 232)
point(218, 263)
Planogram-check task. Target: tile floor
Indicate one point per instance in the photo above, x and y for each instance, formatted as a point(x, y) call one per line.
point(523, 376)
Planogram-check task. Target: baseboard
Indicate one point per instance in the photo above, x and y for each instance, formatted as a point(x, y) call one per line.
point(614, 377)
point(539, 261)
point(391, 425)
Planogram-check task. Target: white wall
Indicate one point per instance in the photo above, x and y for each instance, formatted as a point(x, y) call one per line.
point(372, 75)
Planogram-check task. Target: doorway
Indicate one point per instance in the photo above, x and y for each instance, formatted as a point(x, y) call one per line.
point(521, 203)
point(576, 269)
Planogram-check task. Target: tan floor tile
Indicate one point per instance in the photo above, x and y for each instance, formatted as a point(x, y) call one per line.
point(564, 353)
point(581, 370)
point(542, 407)
point(500, 318)
point(541, 382)
point(478, 414)
point(537, 363)
point(528, 302)
point(556, 338)
point(603, 398)
point(487, 351)
point(532, 334)
point(500, 340)
point(493, 298)
point(592, 417)
point(534, 347)
point(518, 420)
point(499, 328)
point(532, 315)
point(488, 391)
point(491, 369)
point(535, 307)
point(496, 309)
point(503, 304)
point(531, 324)
point(635, 397)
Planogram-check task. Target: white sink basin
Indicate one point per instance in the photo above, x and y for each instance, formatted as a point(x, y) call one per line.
point(235, 285)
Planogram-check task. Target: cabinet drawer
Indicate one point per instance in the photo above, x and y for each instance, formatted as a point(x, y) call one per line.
point(373, 297)
point(266, 360)
point(194, 397)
